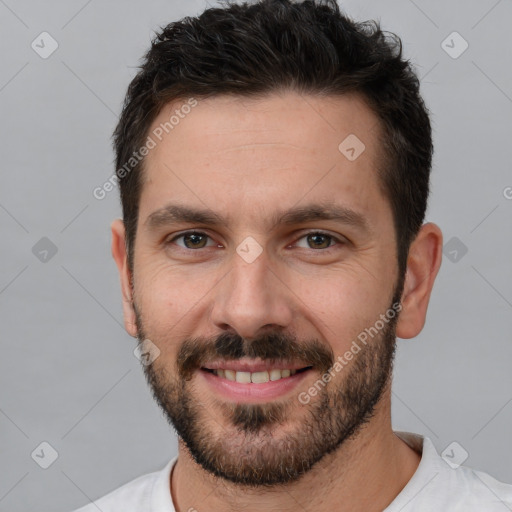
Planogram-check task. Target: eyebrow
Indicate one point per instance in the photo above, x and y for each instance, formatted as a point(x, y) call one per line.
point(175, 213)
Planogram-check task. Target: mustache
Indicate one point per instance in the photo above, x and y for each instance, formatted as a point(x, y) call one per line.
point(271, 346)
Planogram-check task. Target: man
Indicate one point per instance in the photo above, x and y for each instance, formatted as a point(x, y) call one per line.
point(273, 161)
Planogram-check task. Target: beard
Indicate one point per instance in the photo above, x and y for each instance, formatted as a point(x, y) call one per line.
point(257, 444)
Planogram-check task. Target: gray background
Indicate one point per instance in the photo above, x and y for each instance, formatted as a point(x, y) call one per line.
point(68, 375)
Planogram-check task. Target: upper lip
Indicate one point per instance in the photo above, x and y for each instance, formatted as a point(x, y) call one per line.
point(242, 365)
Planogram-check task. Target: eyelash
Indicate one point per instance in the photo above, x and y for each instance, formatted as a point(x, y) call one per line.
point(200, 233)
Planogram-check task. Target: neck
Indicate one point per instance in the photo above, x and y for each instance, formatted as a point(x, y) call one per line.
point(365, 473)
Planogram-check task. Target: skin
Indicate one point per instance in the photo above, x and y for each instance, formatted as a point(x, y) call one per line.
point(245, 159)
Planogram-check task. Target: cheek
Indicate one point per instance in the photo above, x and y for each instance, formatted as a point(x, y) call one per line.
point(169, 295)
point(341, 304)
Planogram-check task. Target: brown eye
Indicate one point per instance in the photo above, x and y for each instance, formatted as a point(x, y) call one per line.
point(191, 240)
point(319, 240)
point(195, 240)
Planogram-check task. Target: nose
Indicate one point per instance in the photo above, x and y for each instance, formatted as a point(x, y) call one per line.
point(251, 298)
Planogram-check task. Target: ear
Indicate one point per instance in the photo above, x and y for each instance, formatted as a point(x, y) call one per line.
point(120, 256)
point(423, 263)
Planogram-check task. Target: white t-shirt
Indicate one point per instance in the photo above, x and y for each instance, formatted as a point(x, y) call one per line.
point(436, 486)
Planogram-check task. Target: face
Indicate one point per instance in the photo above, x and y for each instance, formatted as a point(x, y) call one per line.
point(262, 253)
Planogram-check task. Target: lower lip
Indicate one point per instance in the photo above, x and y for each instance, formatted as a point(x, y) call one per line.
point(252, 392)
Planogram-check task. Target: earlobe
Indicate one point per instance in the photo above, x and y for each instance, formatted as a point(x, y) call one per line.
point(120, 257)
point(423, 263)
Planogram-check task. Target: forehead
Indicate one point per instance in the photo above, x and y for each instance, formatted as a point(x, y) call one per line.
point(246, 158)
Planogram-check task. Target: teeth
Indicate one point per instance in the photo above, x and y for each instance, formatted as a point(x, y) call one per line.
point(259, 377)
point(244, 377)
point(255, 377)
point(229, 374)
point(275, 374)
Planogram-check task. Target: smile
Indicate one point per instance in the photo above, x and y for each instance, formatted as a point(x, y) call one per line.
point(250, 381)
point(260, 377)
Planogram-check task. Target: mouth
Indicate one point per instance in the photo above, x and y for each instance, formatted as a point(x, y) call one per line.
point(255, 377)
point(246, 381)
